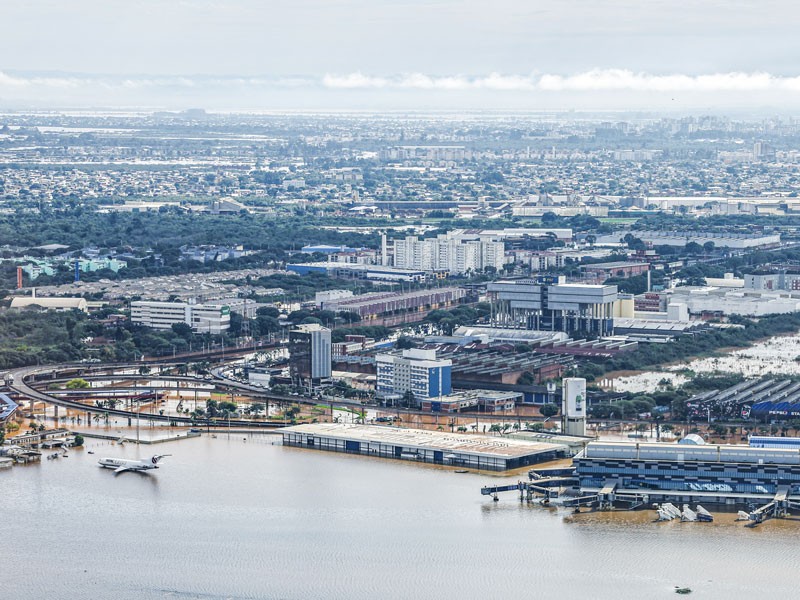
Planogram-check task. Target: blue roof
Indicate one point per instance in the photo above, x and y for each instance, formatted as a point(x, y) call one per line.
point(326, 249)
point(7, 408)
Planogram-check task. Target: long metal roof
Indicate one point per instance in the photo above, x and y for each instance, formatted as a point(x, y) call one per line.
point(498, 447)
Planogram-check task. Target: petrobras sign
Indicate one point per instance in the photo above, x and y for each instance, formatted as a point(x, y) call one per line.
point(575, 396)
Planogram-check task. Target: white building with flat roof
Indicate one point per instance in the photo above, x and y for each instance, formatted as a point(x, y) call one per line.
point(201, 318)
point(416, 371)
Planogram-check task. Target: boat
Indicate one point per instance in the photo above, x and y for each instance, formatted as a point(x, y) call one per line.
point(688, 515)
point(703, 515)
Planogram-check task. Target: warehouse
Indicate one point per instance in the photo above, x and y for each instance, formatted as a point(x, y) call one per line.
point(455, 449)
point(368, 306)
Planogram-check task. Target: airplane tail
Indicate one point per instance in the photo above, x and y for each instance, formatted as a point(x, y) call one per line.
point(157, 457)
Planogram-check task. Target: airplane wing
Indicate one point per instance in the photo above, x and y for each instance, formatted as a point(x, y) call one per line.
point(121, 470)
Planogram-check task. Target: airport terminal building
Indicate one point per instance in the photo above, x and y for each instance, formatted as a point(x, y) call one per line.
point(716, 473)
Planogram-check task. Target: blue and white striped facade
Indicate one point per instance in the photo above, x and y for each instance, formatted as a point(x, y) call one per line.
point(722, 469)
point(417, 371)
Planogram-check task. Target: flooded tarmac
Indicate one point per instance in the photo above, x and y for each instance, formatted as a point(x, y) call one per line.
point(239, 517)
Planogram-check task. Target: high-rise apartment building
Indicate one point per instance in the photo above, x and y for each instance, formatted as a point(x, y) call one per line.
point(447, 254)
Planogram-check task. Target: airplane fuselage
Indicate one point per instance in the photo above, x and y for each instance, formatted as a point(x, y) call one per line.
point(124, 464)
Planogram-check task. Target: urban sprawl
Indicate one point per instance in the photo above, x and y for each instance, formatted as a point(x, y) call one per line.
point(548, 280)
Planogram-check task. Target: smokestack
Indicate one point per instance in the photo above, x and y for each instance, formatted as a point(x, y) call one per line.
point(19, 278)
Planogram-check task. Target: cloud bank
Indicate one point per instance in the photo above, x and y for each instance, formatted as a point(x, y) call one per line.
point(599, 88)
point(597, 80)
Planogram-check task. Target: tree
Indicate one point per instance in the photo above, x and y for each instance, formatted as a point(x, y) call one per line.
point(526, 378)
point(404, 342)
point(549, 410)
point(77, 384)
point(78, 440)
point(182, 329)
point(693, 248)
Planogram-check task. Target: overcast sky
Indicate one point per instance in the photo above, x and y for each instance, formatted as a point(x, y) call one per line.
point(271, 55)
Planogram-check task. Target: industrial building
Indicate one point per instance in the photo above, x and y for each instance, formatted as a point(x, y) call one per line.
point(373, 305)
point(486, 401)
point(549, 304)
point(416, 371)
point(734, 241)
point(341, 270)
point(55, 303)
point(786, 281)
point(454, 449)
point(310, 353)
point(202, 318)
point(512, 234)
point(621, 268)
point(477, 366)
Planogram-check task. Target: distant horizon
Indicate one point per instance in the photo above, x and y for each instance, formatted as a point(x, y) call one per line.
point(597, 91)
point(681, 56)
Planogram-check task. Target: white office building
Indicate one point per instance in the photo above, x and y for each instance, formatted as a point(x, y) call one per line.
point(416, 371)
point(201, 318)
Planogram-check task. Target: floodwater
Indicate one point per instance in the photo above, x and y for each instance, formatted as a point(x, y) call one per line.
point(773, 357)
point(229, 518)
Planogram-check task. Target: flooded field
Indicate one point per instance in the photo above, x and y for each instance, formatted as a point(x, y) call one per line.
point(775, 356)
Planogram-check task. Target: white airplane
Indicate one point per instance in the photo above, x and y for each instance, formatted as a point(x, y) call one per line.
point(123, 464)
